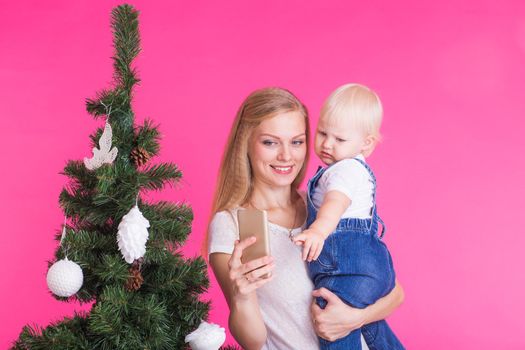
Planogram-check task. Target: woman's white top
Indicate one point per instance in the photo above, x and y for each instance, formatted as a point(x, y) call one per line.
point(353, 180)
point(285, 301)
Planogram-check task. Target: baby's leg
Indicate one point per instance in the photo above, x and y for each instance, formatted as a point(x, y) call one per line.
point(364, 271)
point(379, 336)
point(359, 271)
point(322, 272)
point(365, 274)
point(351, 342)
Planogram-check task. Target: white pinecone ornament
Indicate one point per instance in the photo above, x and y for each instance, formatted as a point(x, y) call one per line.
point(132, 235)
point(64, 278)
point(208, 336)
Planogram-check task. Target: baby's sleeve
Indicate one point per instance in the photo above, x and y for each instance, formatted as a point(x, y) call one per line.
point(222, 233)
point(346, 176)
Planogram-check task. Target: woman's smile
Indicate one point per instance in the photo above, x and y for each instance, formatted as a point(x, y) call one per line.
point(282, 169)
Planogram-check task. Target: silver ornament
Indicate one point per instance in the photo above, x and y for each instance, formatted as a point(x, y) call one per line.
point(64, 278)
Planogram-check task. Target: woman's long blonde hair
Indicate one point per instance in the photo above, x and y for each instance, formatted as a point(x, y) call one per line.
point(234, 183)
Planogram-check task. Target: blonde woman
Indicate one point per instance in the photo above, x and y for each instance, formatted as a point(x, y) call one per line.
point(263, 164)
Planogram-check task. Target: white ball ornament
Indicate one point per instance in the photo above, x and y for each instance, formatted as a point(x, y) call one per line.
point(132, 235)
point(64, 278)
point(208, 336)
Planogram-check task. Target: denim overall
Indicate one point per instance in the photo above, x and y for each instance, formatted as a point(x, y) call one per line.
point(356, 266)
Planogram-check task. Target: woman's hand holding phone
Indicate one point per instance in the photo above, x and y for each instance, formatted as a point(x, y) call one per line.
point(249, 276)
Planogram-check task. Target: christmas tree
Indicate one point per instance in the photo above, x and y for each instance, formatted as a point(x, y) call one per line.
point(142, 299)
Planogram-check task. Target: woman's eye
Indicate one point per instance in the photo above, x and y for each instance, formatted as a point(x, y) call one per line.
point(297, 142)
point(322, 133)
point(269, 142)
point(339, 140)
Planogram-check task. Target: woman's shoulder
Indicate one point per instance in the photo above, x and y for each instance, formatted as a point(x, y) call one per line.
point(225, 213)
point(223, 232)
point(225, 219)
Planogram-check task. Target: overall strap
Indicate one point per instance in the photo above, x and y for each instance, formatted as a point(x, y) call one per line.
point(373, 210)
point(367, 167)
point(314, 180)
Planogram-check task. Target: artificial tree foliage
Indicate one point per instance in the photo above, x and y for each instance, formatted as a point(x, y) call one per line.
point(167, 306)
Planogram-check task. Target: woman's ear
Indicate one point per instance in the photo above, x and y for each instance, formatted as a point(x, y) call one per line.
point(369, 144)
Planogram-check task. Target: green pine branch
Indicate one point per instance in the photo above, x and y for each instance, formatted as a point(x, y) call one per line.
point(148, 137)
point(175, 275)
point(79, 175)
point(126, 41)
point(68, 334)
point(112, 270)
point(169, 222)
point(154, 177)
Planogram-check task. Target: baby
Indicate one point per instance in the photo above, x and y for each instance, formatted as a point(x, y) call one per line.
point(344, 251)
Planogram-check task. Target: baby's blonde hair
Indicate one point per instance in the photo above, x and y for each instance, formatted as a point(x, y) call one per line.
point(357, 103)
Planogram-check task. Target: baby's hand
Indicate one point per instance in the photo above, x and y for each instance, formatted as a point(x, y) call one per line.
point(312, 242)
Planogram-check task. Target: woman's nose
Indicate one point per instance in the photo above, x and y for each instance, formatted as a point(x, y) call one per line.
point(284, 154)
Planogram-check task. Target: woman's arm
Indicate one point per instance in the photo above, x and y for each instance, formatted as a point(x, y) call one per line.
point(238, 286)
point(339, 319)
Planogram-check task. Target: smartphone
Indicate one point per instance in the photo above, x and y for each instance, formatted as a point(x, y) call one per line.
point(254, 222)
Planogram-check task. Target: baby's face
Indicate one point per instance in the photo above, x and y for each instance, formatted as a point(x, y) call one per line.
point(336, 140)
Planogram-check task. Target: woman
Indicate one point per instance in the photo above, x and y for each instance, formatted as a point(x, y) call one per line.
point(263, 164)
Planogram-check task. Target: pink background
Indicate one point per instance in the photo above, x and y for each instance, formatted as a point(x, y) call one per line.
point(450, 74)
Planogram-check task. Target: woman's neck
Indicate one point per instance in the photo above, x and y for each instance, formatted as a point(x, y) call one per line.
point(268, 198)
point(284, 206)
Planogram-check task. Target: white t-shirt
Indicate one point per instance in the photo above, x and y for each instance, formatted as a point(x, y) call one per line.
point(284, 301)
point(351, 178)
